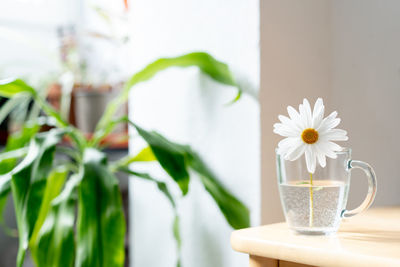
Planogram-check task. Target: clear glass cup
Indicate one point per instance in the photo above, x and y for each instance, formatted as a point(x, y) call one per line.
point(315, 204)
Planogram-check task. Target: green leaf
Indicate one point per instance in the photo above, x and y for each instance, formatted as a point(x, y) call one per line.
point(176, 231)
point(145, 155)
point(12, 87)
point(54, 184)
point(164, 189)
point(170, 156)
point(5, 189)
point(15, 148)
point(3, 201)
point(17, 141)
point(11, 104)
point(177, 236)
point(161, 185)
point(28, 184)
point(13, 154)
point(235, 212)
point(303, 182)
point(100, 223)
point(215, 69)
point(99, 134)
point(54, 246)
point(176, 158)
point(5, 186)
point(49, 110)
point(71, 152)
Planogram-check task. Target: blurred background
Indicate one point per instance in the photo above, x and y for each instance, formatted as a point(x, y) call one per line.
point(91, 47)
point(346, 51)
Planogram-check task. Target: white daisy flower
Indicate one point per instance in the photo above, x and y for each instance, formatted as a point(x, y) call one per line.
point(308, 132)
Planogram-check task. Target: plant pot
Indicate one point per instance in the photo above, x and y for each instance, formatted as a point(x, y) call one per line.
point(89, 106)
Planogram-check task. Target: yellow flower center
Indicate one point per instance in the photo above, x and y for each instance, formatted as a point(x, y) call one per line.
point(309, 136)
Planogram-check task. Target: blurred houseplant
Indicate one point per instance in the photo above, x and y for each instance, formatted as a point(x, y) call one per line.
point(68, 208)
point(93, 56)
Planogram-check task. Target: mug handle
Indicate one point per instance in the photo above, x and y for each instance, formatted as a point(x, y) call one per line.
point(369, 172)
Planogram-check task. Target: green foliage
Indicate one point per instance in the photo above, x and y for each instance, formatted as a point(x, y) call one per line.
point(28, 181)
point(169, 156)
point(146, 154)
point(176, 159)
point(55, 244)
point(215, 69)
point(101, 223)
point(16, 142)
point(235, 212)
point(13, 87)
point(162, 186)
point(70, 213)
point(55, 182)
point(15, 149)
point(11, 104)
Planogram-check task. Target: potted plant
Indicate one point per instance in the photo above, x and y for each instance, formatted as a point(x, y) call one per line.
point(68, 209)
point(94, 62)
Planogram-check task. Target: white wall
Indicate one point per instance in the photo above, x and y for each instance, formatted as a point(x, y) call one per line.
point(366, 89)
point(189, 108)
point(28, 36)
point(346, 51)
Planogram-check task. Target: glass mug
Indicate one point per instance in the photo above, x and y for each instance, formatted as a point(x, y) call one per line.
point(316, 203)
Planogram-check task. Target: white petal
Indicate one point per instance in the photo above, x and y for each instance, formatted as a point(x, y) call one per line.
point(332, 115)
point(310, 159)
point(319, 104)
point(335, 135)
point(284, 119)
point(328, 125)
point(321, 160)
point(287, 143)
point(318, 113)
point(282, 150)
point(334, 147)
point(289, 122)
point(324, 147)
point(285, 130)
point(314, 157)
point(295, 117)
point(307, 109)
point(327, 122)
point(293, 114)
point(305, 114)
point(320, 156)
point(296, 151)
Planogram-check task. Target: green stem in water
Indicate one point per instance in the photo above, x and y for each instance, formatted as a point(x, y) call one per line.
point(311, 201)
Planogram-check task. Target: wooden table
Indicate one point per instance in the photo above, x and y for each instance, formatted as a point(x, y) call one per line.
point(368, 239)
